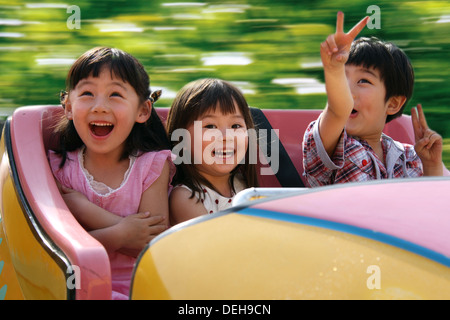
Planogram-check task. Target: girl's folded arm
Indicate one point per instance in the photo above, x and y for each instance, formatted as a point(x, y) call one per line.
point(109, 237)
point(88, 214)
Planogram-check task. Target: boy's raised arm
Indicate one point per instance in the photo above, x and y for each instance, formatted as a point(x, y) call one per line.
point(334, 53)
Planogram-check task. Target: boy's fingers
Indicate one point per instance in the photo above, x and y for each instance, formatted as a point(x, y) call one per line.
point(430, 138)
point(324, 47)
point(416, 125)
point(433, 138)
point(340, 22)
point(358, 27)
point(421, 144)
point(331, 42)
point(422, 119)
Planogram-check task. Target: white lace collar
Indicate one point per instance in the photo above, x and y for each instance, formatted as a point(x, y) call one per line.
point(99, 187)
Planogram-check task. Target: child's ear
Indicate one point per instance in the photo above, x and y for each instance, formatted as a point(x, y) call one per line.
point(68, 109)
point(395, 103)
point(145, 111)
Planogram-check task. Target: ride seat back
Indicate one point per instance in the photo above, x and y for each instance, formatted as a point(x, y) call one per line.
point(290, 126)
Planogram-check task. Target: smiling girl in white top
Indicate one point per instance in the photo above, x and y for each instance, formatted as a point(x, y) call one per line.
point(214, 166)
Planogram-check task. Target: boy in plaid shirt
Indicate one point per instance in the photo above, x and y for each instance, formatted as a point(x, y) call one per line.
point(368, 83)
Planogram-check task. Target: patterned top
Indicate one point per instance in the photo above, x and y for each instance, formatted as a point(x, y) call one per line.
point(214, 201)
point(123, 201)
point(354, 159)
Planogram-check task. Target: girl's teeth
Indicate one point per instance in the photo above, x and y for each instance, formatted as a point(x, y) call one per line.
point(223, 152)
point(101, 124)
point(101, 128)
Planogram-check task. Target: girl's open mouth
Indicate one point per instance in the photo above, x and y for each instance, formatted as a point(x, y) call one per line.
point(101, 129)
point(223, 153)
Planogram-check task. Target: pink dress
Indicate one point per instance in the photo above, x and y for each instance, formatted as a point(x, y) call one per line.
point(123, 201)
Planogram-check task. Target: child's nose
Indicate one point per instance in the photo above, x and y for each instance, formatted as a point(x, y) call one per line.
point(100, 105)
point(223, 132)
point(228, 134)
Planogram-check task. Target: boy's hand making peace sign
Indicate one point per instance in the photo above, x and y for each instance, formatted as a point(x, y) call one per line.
point(428, 143)
point(335, 49)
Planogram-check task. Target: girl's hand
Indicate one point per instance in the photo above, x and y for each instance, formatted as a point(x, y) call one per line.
point(335, 49)
point(428, 143)
point(138, 229)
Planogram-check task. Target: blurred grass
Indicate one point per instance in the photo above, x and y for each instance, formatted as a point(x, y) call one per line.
point(172, 39)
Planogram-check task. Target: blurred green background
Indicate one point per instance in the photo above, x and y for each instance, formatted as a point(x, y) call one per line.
point(270, 49)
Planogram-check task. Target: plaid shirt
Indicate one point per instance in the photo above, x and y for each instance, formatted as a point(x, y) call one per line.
point(354, 160)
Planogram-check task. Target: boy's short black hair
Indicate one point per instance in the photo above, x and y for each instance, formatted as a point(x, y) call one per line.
point(394, 66)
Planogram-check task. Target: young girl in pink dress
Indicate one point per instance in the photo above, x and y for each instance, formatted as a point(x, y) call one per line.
point(113, 157)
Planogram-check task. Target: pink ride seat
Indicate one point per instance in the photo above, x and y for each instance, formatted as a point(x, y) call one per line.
point(30, 130)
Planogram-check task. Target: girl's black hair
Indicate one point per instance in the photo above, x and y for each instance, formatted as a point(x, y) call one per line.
point(392, 63)
point(192, 101)
point(144, 137)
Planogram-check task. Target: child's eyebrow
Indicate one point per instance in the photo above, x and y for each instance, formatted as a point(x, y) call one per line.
point(91, 82)
point(205, 116)
point(366, 70)
point(84, 83)
point(237, 116)
point(120, 84)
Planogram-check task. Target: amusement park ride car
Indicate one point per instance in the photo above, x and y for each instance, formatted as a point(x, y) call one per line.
point(380, 240)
